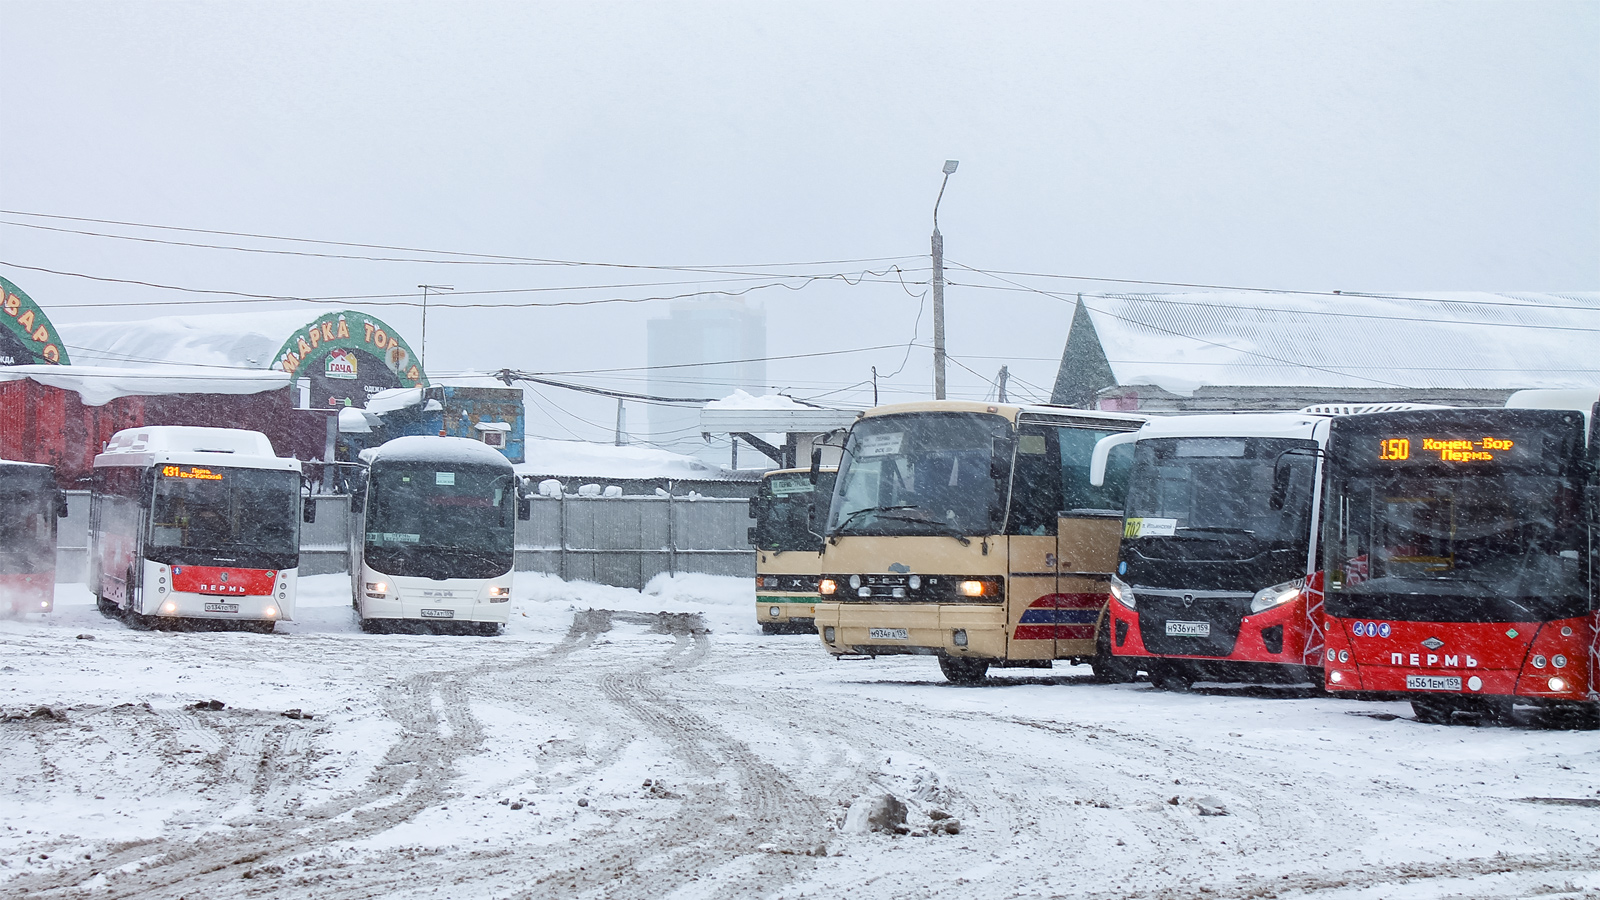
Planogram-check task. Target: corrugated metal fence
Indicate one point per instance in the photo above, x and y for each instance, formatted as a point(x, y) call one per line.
point(622, 541)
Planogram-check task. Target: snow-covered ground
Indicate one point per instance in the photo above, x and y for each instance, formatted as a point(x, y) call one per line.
point(602, 749)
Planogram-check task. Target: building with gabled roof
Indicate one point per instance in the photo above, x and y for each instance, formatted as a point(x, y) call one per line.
point(1241, 350)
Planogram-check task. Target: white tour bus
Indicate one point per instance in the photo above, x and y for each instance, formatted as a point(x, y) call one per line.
point(196, 526)
point(432, 535)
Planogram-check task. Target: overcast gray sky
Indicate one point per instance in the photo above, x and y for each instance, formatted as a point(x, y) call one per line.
point(1358, 146)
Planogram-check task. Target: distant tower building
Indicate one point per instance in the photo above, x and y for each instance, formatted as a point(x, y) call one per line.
point(699, 340)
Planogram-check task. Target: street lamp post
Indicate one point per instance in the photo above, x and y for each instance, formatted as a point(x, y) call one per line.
point(938, 287)
point(425, 289)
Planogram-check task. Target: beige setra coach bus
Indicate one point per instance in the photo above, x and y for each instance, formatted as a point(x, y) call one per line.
point(970, 532)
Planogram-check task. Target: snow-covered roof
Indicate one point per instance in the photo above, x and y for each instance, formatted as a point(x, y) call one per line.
point(1181, 342)
point(99, 385)
point(740, 412)
point(247, 340)
point(581, 459)
point(426, 448)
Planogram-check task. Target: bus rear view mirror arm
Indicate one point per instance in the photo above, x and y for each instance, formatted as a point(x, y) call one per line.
point(1102, 452)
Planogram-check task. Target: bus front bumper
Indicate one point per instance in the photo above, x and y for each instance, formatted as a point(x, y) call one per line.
point(423, 600)
point(871, 629)
point(785, 609)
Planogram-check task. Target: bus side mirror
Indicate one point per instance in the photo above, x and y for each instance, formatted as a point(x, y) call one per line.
point(147, 489)
point(750, 535)
point(1280, 485)
point(524, 507)
point(358, 501)
point(816, 464)
point(61, 504)
point(308, 513)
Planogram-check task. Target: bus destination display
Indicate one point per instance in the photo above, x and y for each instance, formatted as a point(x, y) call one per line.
point(1444, 449)
point(191, 473)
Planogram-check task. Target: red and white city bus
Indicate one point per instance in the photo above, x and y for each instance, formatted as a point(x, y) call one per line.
point(1460, 557)
point(29, 505)
point(1217, 576)
point(199, 526)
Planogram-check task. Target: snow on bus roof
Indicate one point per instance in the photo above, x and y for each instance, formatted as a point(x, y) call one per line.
point(426, 448)
point(1265, 424)
point(99, 385)
point(189, 439)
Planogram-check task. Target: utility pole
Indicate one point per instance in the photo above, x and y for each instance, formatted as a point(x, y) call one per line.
point(622, 424)
point(425, 289)
point(1005, 375)
point(874, 385)
point(938, 287)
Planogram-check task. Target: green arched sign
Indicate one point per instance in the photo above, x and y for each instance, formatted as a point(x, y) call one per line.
point(27, 337)
point(340, 359)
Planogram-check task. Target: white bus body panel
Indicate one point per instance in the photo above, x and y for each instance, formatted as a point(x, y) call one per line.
point(434, 600)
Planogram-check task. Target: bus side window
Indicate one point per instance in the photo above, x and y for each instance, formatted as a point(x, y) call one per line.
point(1036, 481)
point(1077, 446)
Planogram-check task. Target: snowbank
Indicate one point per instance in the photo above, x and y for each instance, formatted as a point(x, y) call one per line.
point(580, 459)
point(742, 400)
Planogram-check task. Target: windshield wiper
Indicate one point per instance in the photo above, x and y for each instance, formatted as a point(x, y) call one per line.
point(946, 527)
point(851, 517)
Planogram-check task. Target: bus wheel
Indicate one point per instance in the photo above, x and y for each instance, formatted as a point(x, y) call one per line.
point(960, 670)
point(259, 627)
point(1581, 716)
point(1107, 668)
point(488, 629)
point(1166, 676)
point(771, 628)
point(106, 607)
point(372, 626)
point(1433, 710)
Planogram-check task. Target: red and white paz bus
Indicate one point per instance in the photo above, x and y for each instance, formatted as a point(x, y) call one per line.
point(1460, 557)
point(196, 524)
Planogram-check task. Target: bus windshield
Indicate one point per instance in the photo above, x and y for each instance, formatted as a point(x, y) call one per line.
point(785, 517)
point(1484, 546)
point(440, 520)
point(218, 515)
point(1236, 495)
point(27, 524)
point(922, 473)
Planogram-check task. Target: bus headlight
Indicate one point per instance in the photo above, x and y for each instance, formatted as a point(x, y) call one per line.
point(499, 593)
point(827, 633)
point(1121, 591)
point(971, 588)
point(914, 582)
point(1277, 595)
point(775, 612)
point(380, 587)
point(270, 612)
point(827, 586)
point(855, 581)
point(959, 637)
point(169, 607)
point(1558, 683)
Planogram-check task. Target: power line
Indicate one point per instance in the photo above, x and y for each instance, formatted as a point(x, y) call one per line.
point(1261, 290)
point(372, 299)
point(477, 256)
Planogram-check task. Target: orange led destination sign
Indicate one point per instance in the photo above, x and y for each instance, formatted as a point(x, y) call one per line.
point(1454, 450)
point(194, 473)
